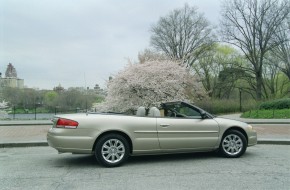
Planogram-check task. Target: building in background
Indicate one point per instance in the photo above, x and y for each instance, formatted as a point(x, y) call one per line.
point(11, 79)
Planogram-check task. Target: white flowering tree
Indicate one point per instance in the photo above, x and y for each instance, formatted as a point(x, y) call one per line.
point(3, 113)
point(149, 84)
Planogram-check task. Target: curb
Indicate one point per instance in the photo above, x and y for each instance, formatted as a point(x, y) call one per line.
point(266, 123)
point(44, 143)
point(23, 144)
point(274, 142)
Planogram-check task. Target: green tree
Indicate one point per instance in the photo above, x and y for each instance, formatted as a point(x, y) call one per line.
point(76, 98)
point(50, 99)
point(11, 95)
point(219, 70)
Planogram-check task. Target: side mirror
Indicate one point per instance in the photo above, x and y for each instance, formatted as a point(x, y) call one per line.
point(203, 114)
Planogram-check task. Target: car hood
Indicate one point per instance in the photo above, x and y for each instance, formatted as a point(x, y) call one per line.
point(229, 122)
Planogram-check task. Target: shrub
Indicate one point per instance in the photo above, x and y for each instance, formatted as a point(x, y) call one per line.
point(226, 106)
point(276, 104)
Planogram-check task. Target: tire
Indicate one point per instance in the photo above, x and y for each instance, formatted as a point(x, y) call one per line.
point(112, 150)
point(233, 144)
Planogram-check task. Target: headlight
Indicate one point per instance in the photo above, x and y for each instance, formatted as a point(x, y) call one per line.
point(250, 127)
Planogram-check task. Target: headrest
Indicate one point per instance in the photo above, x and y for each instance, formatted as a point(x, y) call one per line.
point(141, 111)
point(154, 112)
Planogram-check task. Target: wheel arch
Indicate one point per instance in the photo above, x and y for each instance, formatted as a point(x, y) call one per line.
point(237, 129)
point(115, 132)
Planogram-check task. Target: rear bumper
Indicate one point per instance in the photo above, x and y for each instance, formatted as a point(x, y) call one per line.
point(57, 139)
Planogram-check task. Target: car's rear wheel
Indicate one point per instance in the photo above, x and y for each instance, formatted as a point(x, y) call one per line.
point(112, 150)
point(233, 144)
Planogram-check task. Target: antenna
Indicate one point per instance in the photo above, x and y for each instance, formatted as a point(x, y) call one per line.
point(85, 80)
point(86, 89)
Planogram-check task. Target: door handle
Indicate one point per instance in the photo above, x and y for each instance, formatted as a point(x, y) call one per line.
point(164, 125)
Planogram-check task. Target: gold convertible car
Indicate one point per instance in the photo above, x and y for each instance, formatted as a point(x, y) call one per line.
point(174, 127)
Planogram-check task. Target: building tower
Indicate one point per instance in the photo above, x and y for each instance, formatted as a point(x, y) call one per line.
point(10, 71)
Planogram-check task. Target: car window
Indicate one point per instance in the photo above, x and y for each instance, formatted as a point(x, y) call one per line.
point(181, 110)
point(190, 112)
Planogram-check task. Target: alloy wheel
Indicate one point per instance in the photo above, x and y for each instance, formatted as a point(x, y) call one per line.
point(232, 144)
point(113, 151)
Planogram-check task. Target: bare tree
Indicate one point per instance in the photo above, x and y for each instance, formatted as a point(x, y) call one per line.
point(275, 82)
point(149, 55)
point(184, 34)
point(282, 51)
point(251, 25)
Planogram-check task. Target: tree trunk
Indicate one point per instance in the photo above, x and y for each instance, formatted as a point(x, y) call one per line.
point(259, 83)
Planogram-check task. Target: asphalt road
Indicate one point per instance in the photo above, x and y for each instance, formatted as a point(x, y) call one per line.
point(262, 167)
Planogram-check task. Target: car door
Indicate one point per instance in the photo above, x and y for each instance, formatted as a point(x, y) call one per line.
point(187, 133)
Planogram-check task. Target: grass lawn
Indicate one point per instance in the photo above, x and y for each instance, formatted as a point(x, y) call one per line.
point(267, 114)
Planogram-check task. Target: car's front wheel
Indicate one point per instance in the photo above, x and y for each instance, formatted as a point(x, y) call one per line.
point(112, 150)
point(233, 144)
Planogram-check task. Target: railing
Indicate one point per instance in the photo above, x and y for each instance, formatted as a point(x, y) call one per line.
point(38, 113)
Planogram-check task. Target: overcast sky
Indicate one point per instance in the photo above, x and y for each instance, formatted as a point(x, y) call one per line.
point(78, 43)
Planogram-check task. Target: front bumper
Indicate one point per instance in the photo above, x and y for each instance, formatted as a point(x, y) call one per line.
point(252, 138)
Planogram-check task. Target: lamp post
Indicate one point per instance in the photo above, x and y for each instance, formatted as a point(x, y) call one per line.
point(35, 106)
point(35, 111)
point(87, 99)
point(240, 90)
point(55, 109)
point(14, 109)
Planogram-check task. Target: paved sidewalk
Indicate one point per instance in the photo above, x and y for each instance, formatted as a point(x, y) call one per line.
point(256, 121)
point(33, 132)
point(24, 122)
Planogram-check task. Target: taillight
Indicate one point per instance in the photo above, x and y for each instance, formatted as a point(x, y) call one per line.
point(66, 123)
